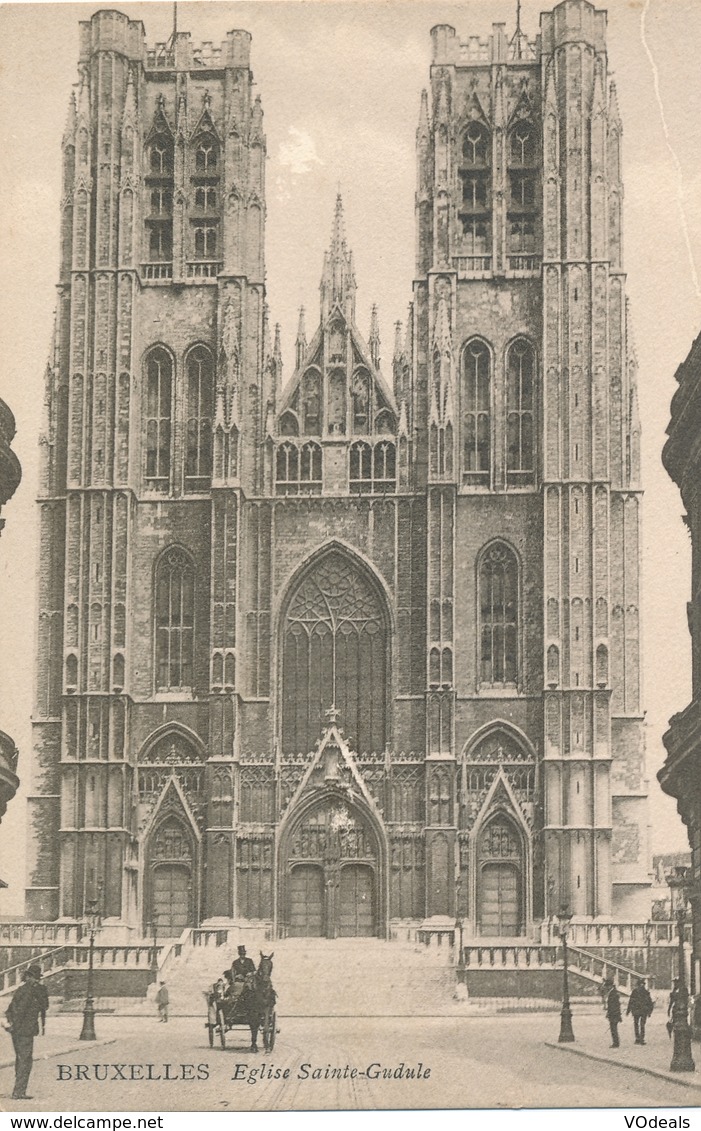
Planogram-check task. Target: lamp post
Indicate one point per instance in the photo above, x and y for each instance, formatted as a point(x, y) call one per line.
point(682, 1060)
point(92, 924)
point(153, 977)
point(563, 920)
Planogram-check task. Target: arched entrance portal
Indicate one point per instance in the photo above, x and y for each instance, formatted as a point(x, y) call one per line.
point(171, 895)
point(331, 873)
point(500, 880)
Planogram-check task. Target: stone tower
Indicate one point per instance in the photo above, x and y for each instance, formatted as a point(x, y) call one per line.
point(527, 445)
point(363, 651)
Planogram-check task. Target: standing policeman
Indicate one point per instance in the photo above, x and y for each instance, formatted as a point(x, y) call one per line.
point(29, 1003)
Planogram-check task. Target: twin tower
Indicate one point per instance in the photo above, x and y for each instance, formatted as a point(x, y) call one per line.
point(362, 648)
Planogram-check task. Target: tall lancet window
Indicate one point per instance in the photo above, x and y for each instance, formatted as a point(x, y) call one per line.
point(159, 205)
point(206, 211)
point(520, 376)
point(523, 196)
point(474, 208)
point(476, 412)
point(158, 404)
point(335, 643)
point(498, 586)
point(198, 452)
point(175, 619)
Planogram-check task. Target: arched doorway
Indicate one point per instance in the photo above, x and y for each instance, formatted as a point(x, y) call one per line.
point(335, 636)
point(171, 897)
point(500, 879)
point(331, 872)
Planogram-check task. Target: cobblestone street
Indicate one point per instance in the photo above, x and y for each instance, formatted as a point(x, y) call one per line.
point(497, 1061)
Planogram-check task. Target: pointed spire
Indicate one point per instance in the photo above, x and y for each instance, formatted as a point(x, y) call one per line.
point(374, 340)
point(397, 341)
point(441, 332)
point(424, 124)
point(301, 342)
point(71, 116)
point(338, 280)
point(129, 114)
point(257, 120)
point(277, 349)
point(83, 108)
point(614, 110)
point(338, 235)
point(442, 108)
point(403, 421)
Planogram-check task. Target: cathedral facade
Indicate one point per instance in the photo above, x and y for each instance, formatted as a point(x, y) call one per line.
point(359, 649)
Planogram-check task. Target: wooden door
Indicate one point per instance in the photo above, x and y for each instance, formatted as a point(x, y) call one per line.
point(306, 900)
point(499, 902)
point(356, 914)
point(171, 899)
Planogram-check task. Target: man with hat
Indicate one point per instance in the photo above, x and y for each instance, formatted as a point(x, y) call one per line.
point(29, 1004)
point(612, 1009)
point(242, 966)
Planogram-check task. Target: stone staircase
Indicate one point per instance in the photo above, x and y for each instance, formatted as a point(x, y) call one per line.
point(327, 977)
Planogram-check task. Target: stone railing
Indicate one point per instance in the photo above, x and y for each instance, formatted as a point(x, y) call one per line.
point(528, 956)
point(467, 265)
point(49, 961)
point(36, 934)
point(203, 269)
point(652, 933)
point(584, 962)
point(524, 262)
point(157, 270)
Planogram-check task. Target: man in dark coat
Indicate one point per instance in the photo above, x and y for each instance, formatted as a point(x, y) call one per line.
point(28, 1006)
point(640, 1004)
point(612, 1008)
point(242, 966)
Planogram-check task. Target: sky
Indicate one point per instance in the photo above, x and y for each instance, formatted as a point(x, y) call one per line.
point(340, 84)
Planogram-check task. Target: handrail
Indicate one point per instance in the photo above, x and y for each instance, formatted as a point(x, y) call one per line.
point(9, 977)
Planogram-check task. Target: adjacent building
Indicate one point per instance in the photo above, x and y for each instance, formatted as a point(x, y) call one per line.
point(681, 774)
point(10, 475)
point(361, 648)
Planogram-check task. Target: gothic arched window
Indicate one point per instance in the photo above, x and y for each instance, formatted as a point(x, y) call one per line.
point(198, 453)
point(175, 619)
point(298, 470)
point(158, 417)
point(476, 399)
point(475, 206)
point(520, 450)
point(204, 236)
point(334, 646)
point(159, 195)
point(206, 156)
point(523, 203)
point(499, 616)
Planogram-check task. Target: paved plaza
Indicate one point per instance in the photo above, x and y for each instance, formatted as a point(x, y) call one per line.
point(489, 1061)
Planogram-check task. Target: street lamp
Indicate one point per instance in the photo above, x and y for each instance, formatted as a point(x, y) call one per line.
point(682, 1060)
point(92, 924)
point(153, 977)
point(564, 918)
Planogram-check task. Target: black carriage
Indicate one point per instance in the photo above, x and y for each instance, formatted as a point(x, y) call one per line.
point(249, 1005)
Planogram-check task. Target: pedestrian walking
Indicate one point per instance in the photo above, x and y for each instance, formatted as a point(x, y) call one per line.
point(612, 1008)
point(641, 1005)
point(670, 1007)
point(25, 1013)
point(162, 1000)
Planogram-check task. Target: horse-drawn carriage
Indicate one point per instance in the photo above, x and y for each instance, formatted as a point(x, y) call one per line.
point(249, 1003)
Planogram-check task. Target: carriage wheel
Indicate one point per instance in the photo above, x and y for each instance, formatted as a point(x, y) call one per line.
point(222, 1028)
point(211, 1035)
point(269, 1032)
